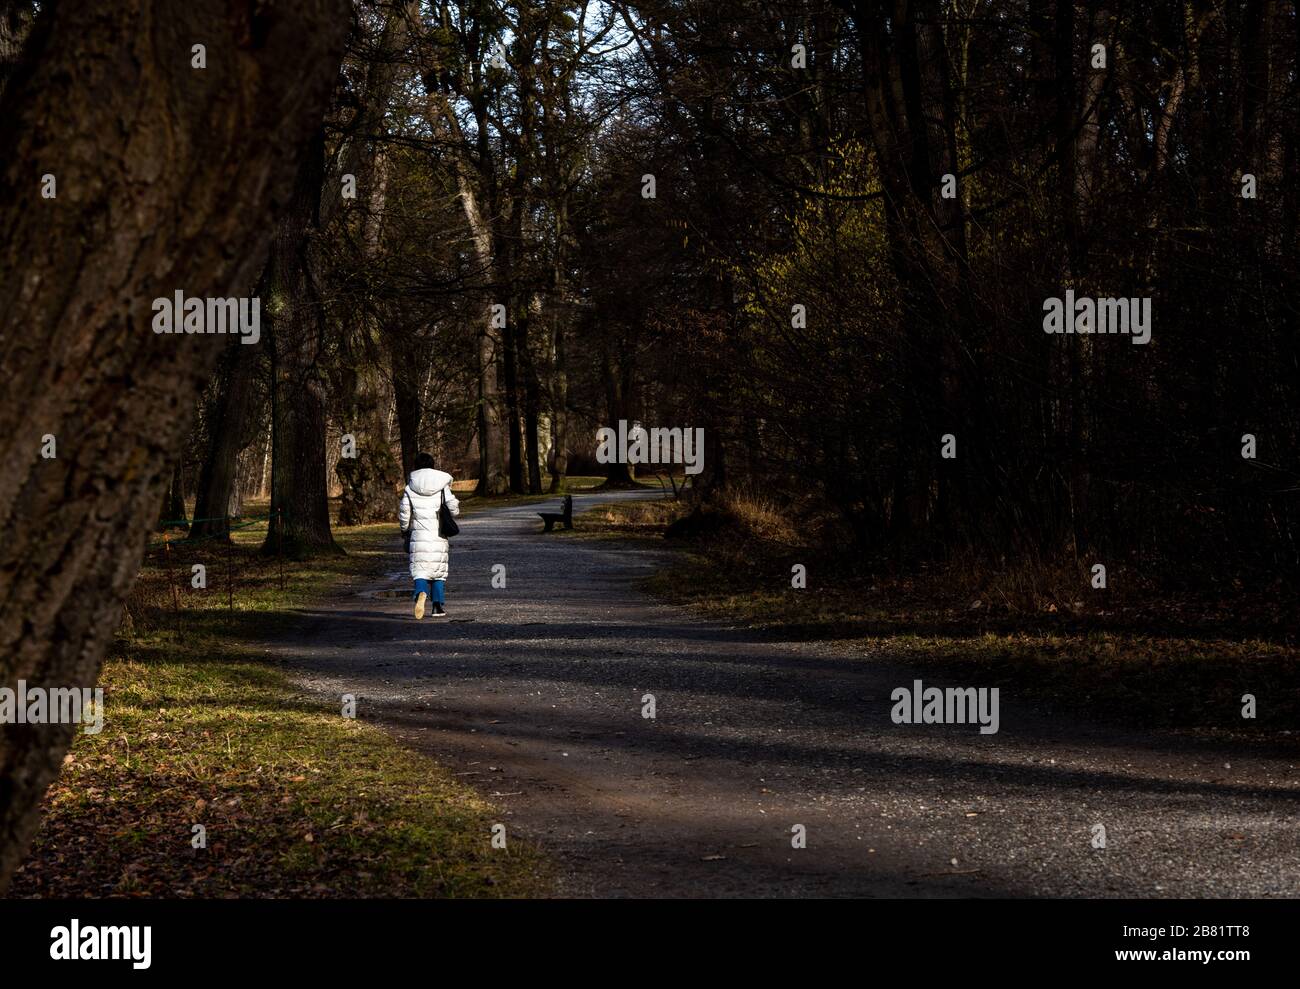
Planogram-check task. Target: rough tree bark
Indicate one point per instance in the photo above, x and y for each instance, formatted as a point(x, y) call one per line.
point(1078, 131)
point(406, 400)
point(300, 513)
point(227, 417)
point(366, 394)
point(559, 464)
point(476, 184)
point(510, 346)
point(561, 313)
point(369, 478)
point(910, 118)
point(532, 397)
point(166, 176)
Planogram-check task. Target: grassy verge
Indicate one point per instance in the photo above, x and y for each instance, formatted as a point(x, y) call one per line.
point(1177, 662)
point(296, 800)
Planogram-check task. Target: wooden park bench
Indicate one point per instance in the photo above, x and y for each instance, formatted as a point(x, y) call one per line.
point(566, 516)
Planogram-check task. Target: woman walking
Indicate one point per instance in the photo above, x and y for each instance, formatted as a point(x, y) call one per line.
point(426, 492)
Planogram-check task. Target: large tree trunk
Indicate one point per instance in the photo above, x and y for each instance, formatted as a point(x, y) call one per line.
point(217, 488)
point(1078, 132)
point(559, 375)
point(166, 177)
point(514, 405)
point(369, 479)
point(493, 477)
point(532, 412)
point(300, 514)
point(530, 397)
point(910, 116)
point(506, 243)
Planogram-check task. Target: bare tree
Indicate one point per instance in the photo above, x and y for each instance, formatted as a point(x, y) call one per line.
point(164, 178)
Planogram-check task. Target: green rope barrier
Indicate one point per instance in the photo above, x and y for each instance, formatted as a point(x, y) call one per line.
point(214, 518)
point(216, 535)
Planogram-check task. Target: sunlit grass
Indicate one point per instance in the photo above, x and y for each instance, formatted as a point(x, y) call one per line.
point(296, 799)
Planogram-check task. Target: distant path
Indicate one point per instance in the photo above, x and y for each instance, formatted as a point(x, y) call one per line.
point(533, 694)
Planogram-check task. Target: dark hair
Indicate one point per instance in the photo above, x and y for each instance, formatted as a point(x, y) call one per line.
point(422, 461)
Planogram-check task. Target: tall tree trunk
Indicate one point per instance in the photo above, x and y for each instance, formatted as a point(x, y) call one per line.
point(559, 376)
point(217, 487)
point(300, 515)
point(369, 478)
point(910, 117)
point(176, 496)
point(406, 399)
point(559, 410)
point(166, 178)
point(493, 477)
point(618, 473)
point(506, 242)
point(532, 403)
point(510, 368)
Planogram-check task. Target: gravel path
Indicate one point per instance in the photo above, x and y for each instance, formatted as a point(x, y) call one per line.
point(533, 693)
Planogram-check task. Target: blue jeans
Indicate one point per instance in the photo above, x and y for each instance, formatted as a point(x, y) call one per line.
point(436, 592)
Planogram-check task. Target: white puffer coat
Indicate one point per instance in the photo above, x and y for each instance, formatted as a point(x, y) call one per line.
point(430, 553)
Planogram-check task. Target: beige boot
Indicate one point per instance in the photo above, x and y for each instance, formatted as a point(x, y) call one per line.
point(419, 605)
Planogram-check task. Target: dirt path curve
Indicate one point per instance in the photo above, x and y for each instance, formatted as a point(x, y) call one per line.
point(533, 693)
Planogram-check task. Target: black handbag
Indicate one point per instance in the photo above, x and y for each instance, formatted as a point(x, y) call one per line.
point(447, 526)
